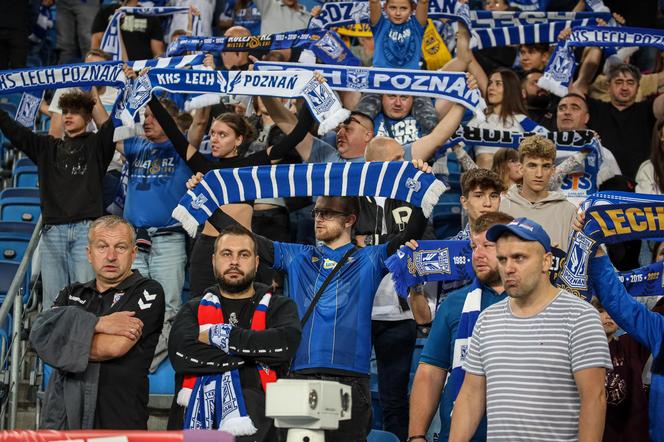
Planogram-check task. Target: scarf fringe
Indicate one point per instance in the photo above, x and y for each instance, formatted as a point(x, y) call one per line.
point(184, 395)
point(201, 101)
point(333, 120)
point(189, 223)
point(431, 197)
point(239, 426)
point(552, 86)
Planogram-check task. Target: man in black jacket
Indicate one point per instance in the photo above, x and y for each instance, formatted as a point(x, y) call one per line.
point(100, 337)
point(71, 171)
point(236, 331)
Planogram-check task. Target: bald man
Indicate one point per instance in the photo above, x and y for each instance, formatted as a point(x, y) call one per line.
point(236, 60)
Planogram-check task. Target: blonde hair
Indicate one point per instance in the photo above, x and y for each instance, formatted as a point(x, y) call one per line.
point(537, 146)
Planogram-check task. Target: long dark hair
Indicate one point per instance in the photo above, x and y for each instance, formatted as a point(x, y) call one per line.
point(512, 100)
point(238, 124)
point(657, 155)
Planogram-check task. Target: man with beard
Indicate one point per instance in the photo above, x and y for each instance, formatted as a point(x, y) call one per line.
point(239, 331)
point(336, 335)
point(541, 105)
point(441, 352)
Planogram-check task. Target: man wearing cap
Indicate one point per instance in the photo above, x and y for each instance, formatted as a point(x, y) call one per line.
point(537, 360)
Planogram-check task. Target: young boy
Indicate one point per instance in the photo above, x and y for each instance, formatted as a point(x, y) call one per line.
point(398, 34)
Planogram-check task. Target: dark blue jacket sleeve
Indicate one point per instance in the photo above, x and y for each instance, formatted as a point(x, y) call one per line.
point(643, 325)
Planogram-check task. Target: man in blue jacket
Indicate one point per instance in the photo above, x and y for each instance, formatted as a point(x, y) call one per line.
point(645, 326)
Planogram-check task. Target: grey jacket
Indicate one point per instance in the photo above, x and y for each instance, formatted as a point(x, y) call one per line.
point(62, 338)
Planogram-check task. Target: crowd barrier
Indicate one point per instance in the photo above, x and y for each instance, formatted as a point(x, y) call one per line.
point(114, 436)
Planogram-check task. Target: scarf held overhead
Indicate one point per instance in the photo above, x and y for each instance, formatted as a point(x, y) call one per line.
point(321, 100)
point(398, 180)
point(560, 69)
point(436, 84)
point(432, 261)
point(607, 224)
point(325, 45)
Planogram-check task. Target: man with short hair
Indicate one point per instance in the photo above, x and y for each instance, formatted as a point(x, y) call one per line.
point(572, 114)
point(70, 171)
point(444, 349)
point(533, 199)
point(100, 337)
point(624, 125)
point(533, 56)
point(540, 104)
point(250, 332)
point(337, 335)
point(536, 361)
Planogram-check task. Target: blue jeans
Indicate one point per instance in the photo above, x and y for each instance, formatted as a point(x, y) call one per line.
point(165, 263)
point(394, 342)
point(63, 258)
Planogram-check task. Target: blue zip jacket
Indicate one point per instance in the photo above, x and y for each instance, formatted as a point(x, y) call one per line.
point(643, 325)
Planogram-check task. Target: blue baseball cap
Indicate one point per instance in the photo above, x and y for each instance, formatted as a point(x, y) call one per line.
point(524, 228)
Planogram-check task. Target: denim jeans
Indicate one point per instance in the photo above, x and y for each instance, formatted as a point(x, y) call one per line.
point(165, 263)
point(74, 28)
point(394, 342)
point(63, 258)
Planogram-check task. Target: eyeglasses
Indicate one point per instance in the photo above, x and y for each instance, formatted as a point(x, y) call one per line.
point(326, 214)
point(352, 119)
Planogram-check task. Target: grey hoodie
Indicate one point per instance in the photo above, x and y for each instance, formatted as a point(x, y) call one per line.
point(554, 213)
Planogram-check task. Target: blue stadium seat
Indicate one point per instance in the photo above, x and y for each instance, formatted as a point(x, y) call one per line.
point(382, 436)
point(20, 204)
point(23, 161)
point(162, 381)
point(7, 272)
point(26, 176)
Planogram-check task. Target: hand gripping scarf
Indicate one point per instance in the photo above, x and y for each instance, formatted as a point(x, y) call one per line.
point(432, 261)
point(398, 180)
point(325, 45)
point(110, 41)
point(611, 217)
point(561, 66)
point(217, 400)
point(323, 103)
point(436, 84)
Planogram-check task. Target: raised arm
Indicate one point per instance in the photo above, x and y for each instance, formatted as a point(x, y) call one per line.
point(197, 129)
point(375, 10)
point(422, 12)
point(23, 138)
point(286, 121)
point(424, 148)
point(294, 138)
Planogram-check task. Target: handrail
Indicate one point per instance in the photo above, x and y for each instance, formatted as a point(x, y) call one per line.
point(17, 282)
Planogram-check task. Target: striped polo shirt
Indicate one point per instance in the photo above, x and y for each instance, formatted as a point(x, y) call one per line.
point(529, 365)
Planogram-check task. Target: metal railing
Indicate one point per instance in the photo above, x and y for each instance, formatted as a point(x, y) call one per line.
point(15, 347)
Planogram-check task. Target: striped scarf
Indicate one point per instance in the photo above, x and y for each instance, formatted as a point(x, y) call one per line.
point(322, 102)
point(398, 180)
point(432, 261)
point(611, 217)
point(323, 44)
point(217, 400)
point(524, 34)
point(469, 314)
point(561, 66)
point(111, 40)
point(436, 84)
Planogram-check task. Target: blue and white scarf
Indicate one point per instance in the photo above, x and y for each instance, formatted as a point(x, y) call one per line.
point(110, 41)
point(469, 314)
point(497, 19)
point(335, 14)
point(524, 34)
point(560, 70)
point(324, 44)
point(194, 61)
point(436, 84)
point(322, 101)
point(28, 108)
point(644, 281)
point(44, 23)
point(580, 186)
point(446, 260)
point(398, 180)
point(611, 217)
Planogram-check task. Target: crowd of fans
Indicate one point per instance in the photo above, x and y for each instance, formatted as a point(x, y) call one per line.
point(84, 175)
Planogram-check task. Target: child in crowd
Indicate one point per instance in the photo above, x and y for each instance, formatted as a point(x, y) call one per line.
point(398, 34)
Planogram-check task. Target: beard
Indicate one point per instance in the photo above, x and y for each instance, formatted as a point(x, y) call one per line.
point(538, 101)
point(490, 279)
point(235, 286)
point(329, 234)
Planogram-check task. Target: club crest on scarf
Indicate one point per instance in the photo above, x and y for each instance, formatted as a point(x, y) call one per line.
point(28, 109)
point(427, 262)
point(575, 270)
point(199, 202)
point(228, 397)
point(413, 184)
point(320, 97)
point(358, 79)
point(140, 92)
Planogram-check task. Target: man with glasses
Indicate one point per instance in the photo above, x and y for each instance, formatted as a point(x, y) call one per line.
point(336, 338)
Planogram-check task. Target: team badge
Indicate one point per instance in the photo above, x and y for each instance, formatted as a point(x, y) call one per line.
point(429, 262)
